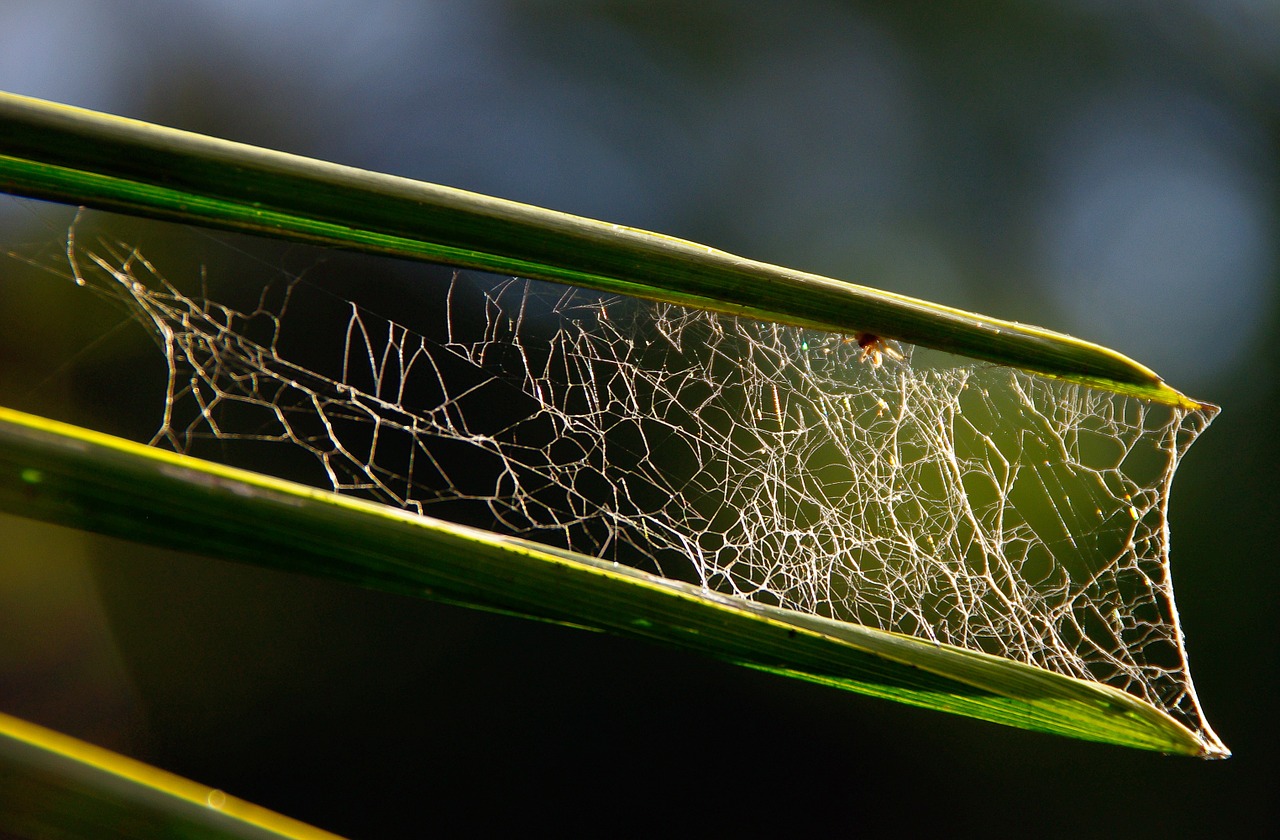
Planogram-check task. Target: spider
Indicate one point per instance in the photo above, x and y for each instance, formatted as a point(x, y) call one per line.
point(874, 349)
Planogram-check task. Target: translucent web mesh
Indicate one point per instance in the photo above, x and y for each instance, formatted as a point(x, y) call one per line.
point(963, 503)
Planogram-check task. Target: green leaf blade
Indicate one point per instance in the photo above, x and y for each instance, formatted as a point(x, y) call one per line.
point(53, 785)
point(72, 476)
point(73, 155)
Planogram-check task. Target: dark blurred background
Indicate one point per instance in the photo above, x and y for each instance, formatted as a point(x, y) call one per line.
point(1105, 169)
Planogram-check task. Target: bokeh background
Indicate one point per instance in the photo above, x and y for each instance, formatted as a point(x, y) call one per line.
point(1105, 169)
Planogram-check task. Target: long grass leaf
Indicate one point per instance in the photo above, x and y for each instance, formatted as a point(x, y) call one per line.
point(83, 479)
point(78, 156)
point(53, 785)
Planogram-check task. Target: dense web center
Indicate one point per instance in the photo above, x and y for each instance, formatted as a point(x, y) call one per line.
point(962, 503)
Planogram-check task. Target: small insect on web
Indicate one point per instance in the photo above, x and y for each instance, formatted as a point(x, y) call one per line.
point(871, 348)
point(875, 348)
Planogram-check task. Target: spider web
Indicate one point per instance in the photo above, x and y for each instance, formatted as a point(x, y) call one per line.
point(962, 503)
